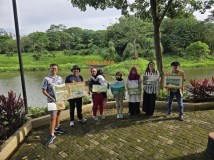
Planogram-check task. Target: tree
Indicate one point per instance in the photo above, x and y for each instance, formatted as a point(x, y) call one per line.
point(38, 41)
point(198, 49)
point(129, 30)
point(154, 10)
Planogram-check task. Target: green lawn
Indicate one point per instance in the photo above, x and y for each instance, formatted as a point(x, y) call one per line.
point(65, 62)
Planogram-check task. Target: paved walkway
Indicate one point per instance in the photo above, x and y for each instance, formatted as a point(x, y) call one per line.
point(136, 137)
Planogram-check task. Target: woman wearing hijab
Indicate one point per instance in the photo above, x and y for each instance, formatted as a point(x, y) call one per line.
point(133, 85)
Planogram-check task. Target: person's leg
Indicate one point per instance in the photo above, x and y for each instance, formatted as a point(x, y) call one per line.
point(79, 108)
point(137, 108)
point(131, 108)
point(53, 122)
point(169, 104)
point(121, 104)
point(95, 104)
point(72, 108)
point(152, 100)
point(180, 104)
point(101, 103)
point(146, 102)
point(117, 98)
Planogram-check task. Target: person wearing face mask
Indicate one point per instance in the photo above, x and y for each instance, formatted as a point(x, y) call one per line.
point(76, 102)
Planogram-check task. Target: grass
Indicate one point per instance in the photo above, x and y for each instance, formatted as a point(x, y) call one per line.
point(66, 62)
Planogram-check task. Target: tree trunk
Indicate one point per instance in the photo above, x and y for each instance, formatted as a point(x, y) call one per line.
point(157, 42)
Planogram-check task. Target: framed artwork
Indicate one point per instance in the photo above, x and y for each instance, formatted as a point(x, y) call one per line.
point(77, 90)
point(133, 87)
point(61, 92)
point(173, 81)
point(99, 88)
point(117, 87)
point(56, 106)
point(150, 80)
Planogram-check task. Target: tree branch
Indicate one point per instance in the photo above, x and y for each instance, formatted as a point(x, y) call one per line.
point(166, 9)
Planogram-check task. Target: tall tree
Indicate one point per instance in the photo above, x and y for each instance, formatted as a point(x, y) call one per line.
point(155, 10)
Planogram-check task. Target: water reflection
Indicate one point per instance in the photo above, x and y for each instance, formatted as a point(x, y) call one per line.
point(12, 81)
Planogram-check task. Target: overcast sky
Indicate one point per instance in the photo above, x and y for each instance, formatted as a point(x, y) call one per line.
point(38, 15)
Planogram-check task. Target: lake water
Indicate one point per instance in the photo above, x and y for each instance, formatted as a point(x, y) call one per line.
point(33, 80)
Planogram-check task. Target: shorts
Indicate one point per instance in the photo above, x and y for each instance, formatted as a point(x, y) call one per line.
point(52, 113)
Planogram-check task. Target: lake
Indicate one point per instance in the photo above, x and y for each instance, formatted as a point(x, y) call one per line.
point(33, 80)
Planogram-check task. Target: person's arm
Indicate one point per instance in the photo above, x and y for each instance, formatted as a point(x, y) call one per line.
point(44, 91)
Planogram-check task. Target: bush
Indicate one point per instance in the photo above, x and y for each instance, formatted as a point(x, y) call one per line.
point(198, 49)
point(12, 114)
point(35, 112)
point(201, 90)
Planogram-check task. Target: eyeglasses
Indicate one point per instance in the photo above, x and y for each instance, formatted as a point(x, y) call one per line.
point(93, 71)
point(54, 68)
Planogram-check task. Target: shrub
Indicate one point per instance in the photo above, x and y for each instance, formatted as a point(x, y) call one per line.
point(198, 49)
point(201, 90)
point(12, 114)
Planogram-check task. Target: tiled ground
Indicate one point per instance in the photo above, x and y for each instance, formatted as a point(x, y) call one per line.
point(137, 137)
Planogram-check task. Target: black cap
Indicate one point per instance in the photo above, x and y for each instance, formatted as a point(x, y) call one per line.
point(175, 63)
point(75, 67)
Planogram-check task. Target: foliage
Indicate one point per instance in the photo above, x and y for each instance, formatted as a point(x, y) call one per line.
point(177, 34)
point(201, 90)
point(162, 96)
point(198, 49)
point(12, 114)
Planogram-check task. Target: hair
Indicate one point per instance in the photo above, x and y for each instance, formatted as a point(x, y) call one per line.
point(119, 74)
point(133, 76)
point(53, 64)
point(99, 72)
point(175, 63)
point(147, 68)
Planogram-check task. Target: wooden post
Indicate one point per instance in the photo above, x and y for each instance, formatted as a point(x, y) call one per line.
point(210, 145)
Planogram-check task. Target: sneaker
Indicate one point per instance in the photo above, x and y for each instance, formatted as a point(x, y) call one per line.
point(168, 114)
point(102, 117)
point(51, 139)
point(82, 120)
point(95, 118)
point(118, 116)
point(121, 116)
point(71, 123)
point(58, 131)
point(181, 117)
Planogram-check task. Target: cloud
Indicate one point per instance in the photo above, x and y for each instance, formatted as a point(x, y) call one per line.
point(40, 14)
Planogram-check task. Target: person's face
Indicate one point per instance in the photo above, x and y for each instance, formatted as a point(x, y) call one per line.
point(151, 66)
point(76, 71)
point(93, 72)
point(134, 71)
point(175, 68)
point(53, 70)
point(117, 76)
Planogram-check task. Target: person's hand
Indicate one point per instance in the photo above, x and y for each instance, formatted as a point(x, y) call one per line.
point(53, 99)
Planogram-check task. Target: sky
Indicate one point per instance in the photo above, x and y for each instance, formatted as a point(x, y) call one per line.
point(38, 15)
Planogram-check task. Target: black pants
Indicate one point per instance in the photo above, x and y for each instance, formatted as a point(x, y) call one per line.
point(149, 103)
point(77, 102)
point(134, 108)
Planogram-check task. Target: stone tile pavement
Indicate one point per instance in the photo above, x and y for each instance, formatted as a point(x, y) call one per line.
point(137, 137)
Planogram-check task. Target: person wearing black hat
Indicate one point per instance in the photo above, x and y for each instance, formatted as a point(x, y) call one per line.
point(176, 92)
point(75, 77)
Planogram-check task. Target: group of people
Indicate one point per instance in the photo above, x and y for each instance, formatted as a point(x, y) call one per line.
point(99, 98)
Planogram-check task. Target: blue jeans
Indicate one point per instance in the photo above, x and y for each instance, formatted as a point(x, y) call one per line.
point(179, 98)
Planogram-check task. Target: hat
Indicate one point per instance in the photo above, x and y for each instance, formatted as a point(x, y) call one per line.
point(75, 67)
point(175, 63)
